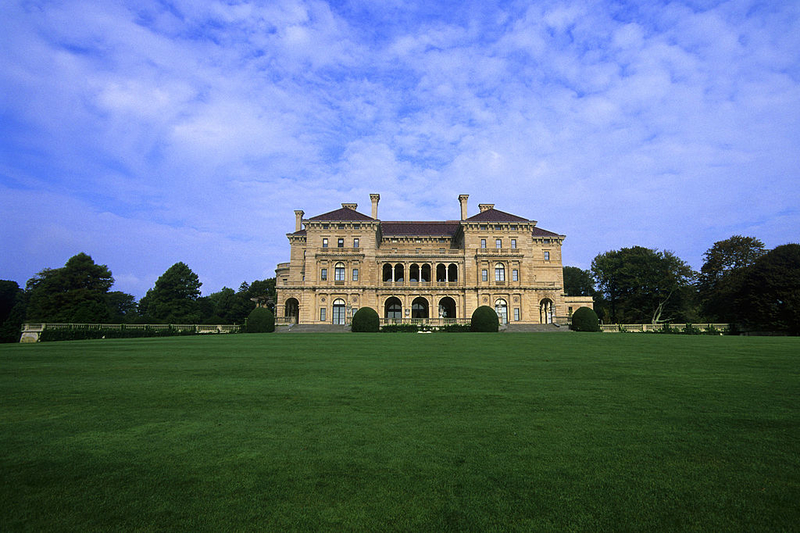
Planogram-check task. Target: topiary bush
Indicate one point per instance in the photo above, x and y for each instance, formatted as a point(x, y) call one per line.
point(366, 320)
point(585, 319)
point(484, 319)
point(260, 320)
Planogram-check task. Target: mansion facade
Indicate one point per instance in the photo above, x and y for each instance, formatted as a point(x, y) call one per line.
point(435, 272)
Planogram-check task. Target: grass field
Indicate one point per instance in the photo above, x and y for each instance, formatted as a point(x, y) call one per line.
point(443, 432)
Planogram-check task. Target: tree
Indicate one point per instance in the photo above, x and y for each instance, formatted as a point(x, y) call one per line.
point(262, 290)
point(585, 319)
point(366, 320)
point(722, 275)
point(260, 320)
point(121, 307)
point(644, 285)
point(578, 282)
point(74, 293)
point(12, 310)
point(174, 297)
point(484, 319)
point(769, 298)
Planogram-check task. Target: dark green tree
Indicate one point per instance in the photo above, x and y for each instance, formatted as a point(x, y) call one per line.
point(174, 299)
point(769, 299)
point(366, 320)
point(585, 319)
point(722, 275)
point(578, 282)
point(484, 319)
point(263, 291)
point(122, 307)
point(260, 320)
point(76, 292)
point(12, 310)
point(644, 285)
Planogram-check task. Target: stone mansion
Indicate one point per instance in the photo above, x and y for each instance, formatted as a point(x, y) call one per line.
point(435, 272)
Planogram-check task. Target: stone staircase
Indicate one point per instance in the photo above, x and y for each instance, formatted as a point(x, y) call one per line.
point(312, 328)
point(536, 328)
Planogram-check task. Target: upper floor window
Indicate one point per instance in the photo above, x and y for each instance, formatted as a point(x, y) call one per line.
point(483, 243)
point(547, 256)
point(498, 228)
point(484, 275)
point(499, 272)
point(513, 243)
point(515, 275)
point(338, 272)
point(325, 242)
point(355, 242)
point(498, 243)
point(355, 274)
point(340, 243)
point(323, 274)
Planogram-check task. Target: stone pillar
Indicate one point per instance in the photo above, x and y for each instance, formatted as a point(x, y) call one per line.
point(462, 199)
point(375, 199)
point(298, 219)
point(485, 207)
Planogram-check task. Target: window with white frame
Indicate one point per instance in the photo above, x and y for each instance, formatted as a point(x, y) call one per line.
point(340, 243)
point(516, 314)
point(355, 242)
point(513, 243)
point(338, 272)
point(515, 275)
point(484, 275)
point(325, 242)
point(498, 243)
point(323, 274)
point(547, 256)
point(499, 272)
point(322, 314)
point(355, 274)
point(483, 243)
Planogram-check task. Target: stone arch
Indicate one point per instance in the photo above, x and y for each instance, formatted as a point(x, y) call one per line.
point(388, 274)
point(393, 308)
point(447, 308)
point(441, 272)
point(339, 312)
point(292, 311)
point(413, 273)
point(419, 308)
point(425, 274)
point(501, 308)
point(452, 273)
point(546, 311)
point(399, 272)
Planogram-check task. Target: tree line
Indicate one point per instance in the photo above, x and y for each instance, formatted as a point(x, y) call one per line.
point(740, 283)
point(80, 292)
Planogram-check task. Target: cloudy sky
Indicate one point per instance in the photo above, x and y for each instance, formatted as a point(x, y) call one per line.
point(149, 132)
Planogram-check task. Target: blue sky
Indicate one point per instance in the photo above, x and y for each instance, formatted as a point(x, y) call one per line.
point(146, 133)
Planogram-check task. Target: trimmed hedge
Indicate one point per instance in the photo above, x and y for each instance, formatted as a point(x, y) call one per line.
point(81, 334)
point(260, 320)
point(585, 319)
point(484, 319)
point(400, 328)
point(366, 320)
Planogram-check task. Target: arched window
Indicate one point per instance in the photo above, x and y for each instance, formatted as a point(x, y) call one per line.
point(419, 308)
point(501, 308)
point(499, 272)
point(399, 272)
point(425, 276)
point(413, 273)
point(546, 311)
point(452, 273)
point(447, 308)
point(393, 309)
point(338, 272)
point(387, 272)
point(339, 311)
point(441, 273)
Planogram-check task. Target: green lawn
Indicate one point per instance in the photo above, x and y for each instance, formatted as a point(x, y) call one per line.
point(360, 432)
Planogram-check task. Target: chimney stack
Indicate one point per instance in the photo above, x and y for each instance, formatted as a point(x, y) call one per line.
point(485, 207)
point(298, 219)
point(350, 206)
point(462, 199)
point(375, 199)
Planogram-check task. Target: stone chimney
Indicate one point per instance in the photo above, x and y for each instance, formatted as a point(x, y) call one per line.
point(298, 219)
point(485, 207)
point(375, 199)
point(462, 199)
point(350, 206)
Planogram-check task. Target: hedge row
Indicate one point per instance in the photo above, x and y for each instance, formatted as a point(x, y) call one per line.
point(80, 334)
point(414, 328)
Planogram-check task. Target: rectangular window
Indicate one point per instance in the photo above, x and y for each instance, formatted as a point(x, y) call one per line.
point(340, 243)
point(498, 243)
point(323, 275)
point(322, 314)
point(355, 274)
point(515, 275)
point(483, 243)
point(484, 275)
point(513, 243)
point(338, 273)
point(498, 228)
point(547, 256)
point(516, 314)
point(355, 242)
point(499, 273)
point(325, 243)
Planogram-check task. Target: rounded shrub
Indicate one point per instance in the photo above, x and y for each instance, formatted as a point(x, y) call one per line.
point(585, 319)
point(366, 320)
point(484, 319)
point(260, 320)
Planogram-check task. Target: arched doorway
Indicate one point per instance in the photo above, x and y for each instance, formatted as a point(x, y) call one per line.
point(339, 312)
point(419, 308)
point(546, 311)
point(447, 308)
point(501, 308)
point(393, 309)
point(292, 311)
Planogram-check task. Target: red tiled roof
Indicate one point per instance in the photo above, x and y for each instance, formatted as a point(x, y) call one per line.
point(446, 228)
point(495, 215)
point(342, 214)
